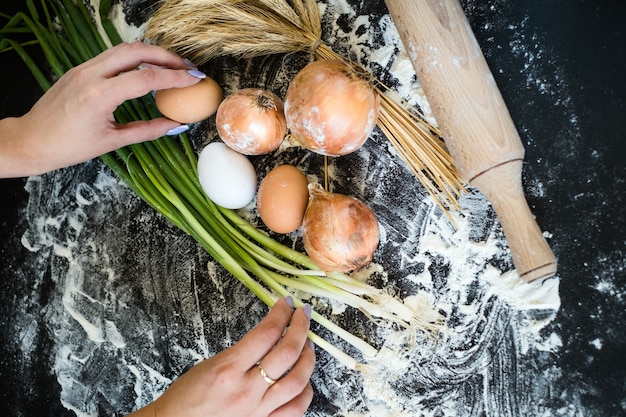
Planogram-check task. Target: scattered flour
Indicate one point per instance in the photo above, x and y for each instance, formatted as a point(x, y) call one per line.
point(136, 308)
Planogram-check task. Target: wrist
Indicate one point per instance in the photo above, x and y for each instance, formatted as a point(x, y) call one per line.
point(15, 159)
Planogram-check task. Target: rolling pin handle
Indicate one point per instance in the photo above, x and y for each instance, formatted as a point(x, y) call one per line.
point(502, 185)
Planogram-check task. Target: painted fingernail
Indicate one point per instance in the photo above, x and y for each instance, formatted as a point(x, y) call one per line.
point(196, 73)
point(307, 310)
point(311, 345)
point(190, 64)
point(177, 130)
point(289, 300)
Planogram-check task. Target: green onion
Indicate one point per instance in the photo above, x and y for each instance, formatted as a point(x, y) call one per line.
point(163, 174)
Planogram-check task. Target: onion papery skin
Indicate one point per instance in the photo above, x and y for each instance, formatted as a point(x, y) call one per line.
point(340, 233)
point(252, 121)
point(330, 109)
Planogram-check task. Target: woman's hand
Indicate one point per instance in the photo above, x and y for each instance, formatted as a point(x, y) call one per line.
point(73, 121)
point(266, 374)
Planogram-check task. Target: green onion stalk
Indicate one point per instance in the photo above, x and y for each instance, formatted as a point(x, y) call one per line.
point(164, 174)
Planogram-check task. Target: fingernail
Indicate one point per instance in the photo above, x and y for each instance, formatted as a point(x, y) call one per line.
point(177, 130)
point(190, 64)
point(307, 310)
point(311, 345)
point(196, 73)
point(289, 300)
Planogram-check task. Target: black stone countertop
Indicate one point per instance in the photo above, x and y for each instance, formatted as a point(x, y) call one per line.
point(575, 144)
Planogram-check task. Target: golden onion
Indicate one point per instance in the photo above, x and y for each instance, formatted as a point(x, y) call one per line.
point(251, 121)
point(340, 233)
point(330, 109)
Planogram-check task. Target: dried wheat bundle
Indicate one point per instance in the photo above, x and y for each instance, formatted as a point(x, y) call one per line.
point(202, 30)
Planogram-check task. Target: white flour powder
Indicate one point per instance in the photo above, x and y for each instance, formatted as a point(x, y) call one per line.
point(134, 306)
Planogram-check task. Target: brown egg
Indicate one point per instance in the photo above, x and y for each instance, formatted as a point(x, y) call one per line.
point(190, 104)
point(282, 198)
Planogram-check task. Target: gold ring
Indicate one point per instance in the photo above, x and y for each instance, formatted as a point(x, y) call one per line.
point(267, 379)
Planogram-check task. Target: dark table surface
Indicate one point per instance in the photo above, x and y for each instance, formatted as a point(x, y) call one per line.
point(572, 128)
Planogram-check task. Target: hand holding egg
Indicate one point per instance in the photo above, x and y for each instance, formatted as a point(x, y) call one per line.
point(74, 121)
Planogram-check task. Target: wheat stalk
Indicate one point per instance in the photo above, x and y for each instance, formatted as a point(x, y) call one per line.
point(202, 30)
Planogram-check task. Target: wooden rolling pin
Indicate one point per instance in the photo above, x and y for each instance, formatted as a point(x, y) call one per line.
point(474, 120)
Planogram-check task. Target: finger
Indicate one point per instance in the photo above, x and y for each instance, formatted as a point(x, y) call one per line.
point(264, 336)
point(139, 131)
point(128, 56)
point(138, 83)
point(146, 65)
point(297, 406)
point(280, 359)
point(294, 382)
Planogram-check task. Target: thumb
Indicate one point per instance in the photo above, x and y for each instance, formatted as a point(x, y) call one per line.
point(145, 130)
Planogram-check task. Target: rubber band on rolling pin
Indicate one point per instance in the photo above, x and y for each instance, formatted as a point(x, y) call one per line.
point(493, 167)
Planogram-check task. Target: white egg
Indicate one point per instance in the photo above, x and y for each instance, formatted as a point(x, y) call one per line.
point(226, 176)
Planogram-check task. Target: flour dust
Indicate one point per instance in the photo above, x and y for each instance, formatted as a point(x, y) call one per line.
point(136, 302)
